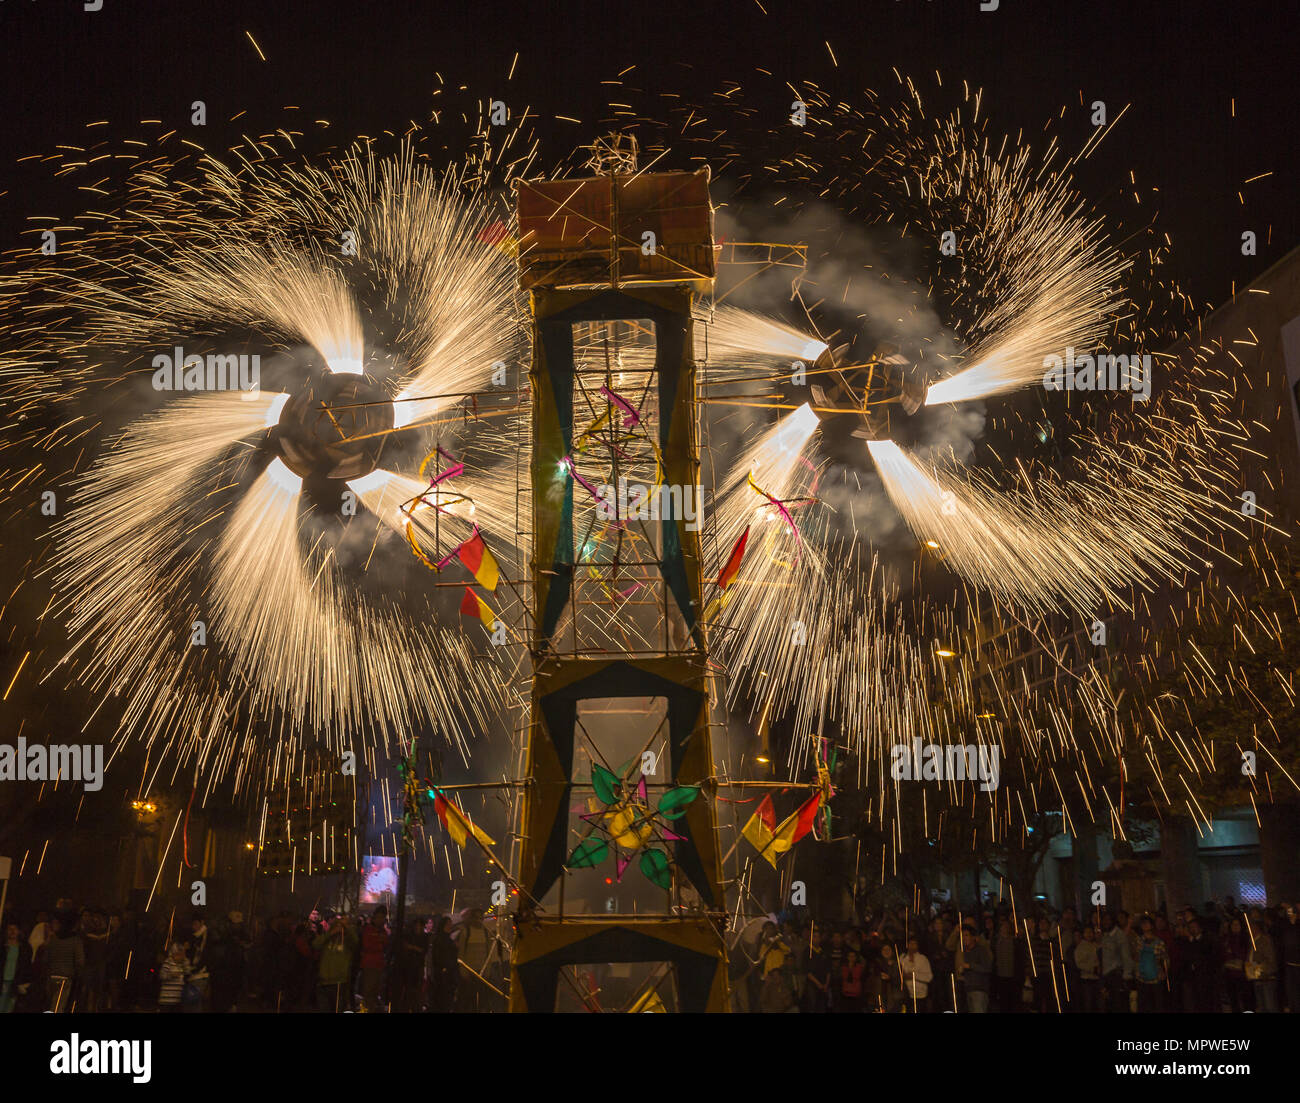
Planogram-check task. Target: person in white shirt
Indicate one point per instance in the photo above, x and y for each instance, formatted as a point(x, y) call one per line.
point(917, 974)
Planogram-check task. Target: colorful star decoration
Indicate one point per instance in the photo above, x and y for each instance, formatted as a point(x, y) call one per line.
point(621, 819)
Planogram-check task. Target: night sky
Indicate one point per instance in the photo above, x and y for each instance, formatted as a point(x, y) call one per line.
point(370, 66)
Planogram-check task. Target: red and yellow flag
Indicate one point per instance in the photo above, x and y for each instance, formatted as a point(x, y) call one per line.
point(772, 841)
point(760, 826)
point(733, 561)
point(795, 826)
point(471, 605)
point(498, 234)
point(458, 825)
point(481, 563)
point(726, 577)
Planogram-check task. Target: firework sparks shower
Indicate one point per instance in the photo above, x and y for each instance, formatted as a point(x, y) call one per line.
point(300, 555)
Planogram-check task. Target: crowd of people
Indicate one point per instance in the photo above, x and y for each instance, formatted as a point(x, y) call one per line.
point(90, 959)
point(1219, 959)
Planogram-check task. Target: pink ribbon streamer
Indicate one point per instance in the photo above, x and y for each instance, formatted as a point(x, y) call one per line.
point(633, 417)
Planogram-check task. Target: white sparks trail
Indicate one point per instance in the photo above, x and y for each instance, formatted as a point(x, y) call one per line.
point(1037, 272)
point(736, 334)
point(291, 635)
point(116, 544)
point(297, 293)
point(162, 539)
point(777, 464)
point(324, 633)
point(1083, 546)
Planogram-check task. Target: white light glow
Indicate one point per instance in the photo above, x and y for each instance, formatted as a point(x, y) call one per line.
point(796, 430)
point(275, 409)
point(283, 478)
point(403, 412)
point(375, 481)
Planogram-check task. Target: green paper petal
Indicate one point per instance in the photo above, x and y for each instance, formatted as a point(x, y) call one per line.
point(605, 784)
point(672, 805)
point(589, 852)
point(654, 866)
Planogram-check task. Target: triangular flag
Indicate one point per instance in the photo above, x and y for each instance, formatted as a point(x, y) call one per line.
point(795, 826)
point(475, 555)
point(457, 824)
point(718, 603)
point(733, 561)
point(498, 234)
point(474, 606)
point(758, 830)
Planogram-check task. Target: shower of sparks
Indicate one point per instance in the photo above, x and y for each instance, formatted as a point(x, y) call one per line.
point(195, 600)
point(1083, 546)
point(302, 646)
point(1057, 291)
point(913, 588)
point(735, 334)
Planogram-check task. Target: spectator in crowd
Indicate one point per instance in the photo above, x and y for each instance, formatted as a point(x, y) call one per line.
point(94, 976)
point(444, 967)
point(1067, 938)
point(278, 963)
point(977, 968)
point(305, 967)
point(1287, 940)
point(198, 983)
point(1087, 962)
point(1042, 958)
point(172, 976)
point(935, 949)
point(1200, 969)
point(406, 986)
point(852, 983)
point(65, 958)
point(374, 957)
point(1151, 967)
point(117, 958)
point(775, 992)
point(337, 945)
point(15, 968)
point(141, 982)
point(817, 975)
point(1008, 977)
point(917, 976)
point(835, 957)
point(1261, 967)
point(1236, 949)
point(890, 981)
point(1116, 964)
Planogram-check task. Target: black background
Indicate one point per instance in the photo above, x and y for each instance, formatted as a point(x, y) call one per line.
point(367, 67)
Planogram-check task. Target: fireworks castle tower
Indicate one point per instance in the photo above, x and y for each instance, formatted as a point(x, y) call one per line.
point(618, 753)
